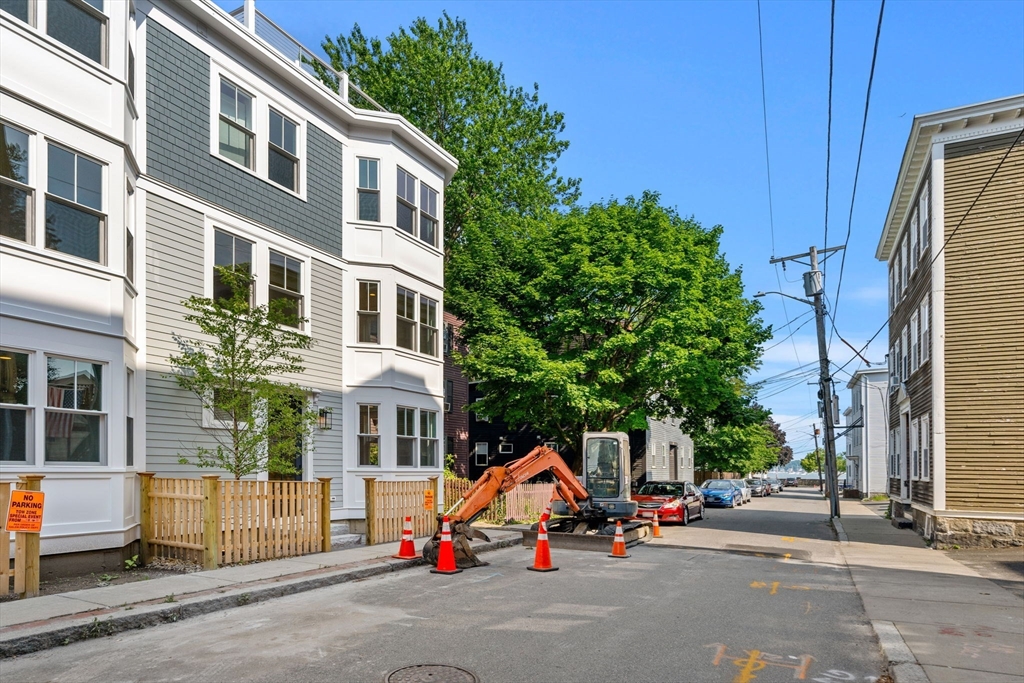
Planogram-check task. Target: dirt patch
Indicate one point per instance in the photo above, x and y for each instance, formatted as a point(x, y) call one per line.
point(157, 569)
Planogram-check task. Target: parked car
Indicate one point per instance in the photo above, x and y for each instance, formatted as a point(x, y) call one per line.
point(791, 481)
point(674, 501)
point(759, 487)
point(722, 492)
point(775, 485)
point(748, 495)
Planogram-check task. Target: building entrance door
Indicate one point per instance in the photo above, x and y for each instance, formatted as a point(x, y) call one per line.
point(673, 462)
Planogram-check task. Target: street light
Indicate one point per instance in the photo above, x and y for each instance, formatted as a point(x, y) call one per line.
point(794, 298)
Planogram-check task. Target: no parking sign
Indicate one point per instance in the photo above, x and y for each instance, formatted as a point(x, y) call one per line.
point(25, 511)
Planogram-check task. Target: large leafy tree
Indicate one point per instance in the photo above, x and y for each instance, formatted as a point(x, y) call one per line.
point(779, 438)
point(506, 139)
point(605, 317)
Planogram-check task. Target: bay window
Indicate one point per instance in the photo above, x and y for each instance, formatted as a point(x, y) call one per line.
point(428, 215)
point(428, 438)
point(406, 319)
point(406, 436)
point(405, 216)
point(15, 192)
point(74, 411)
point(368, 192)
point(79, 24)
point(368, 315)
point(369, 436)
point(428, 326)
point(15, 412)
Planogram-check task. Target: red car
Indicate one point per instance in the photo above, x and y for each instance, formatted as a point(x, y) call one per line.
point(674, 501)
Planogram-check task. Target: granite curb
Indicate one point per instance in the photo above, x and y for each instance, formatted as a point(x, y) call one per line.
point(99, 623)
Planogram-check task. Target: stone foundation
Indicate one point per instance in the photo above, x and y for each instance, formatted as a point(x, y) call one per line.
point(947, 532)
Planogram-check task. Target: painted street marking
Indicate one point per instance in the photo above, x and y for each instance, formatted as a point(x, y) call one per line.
point(953, 630)
point(789, 539)
point(975, 651)
point(775, 585)
point(786, 557)
point(755, 660)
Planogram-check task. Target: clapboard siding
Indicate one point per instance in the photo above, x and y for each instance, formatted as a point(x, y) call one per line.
point(984, 302)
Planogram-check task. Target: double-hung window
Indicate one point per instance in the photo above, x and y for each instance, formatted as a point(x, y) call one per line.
point(233, 253)
point(924, 207)
point(283, 152)
point(15, 412)
point(428, 215)
point(368, 192)
point(449, 391)
point(74, 411)
point(905, 353)
point(898, 275)
point(406, 319)
point(236, 125)
point(129, 233)
point(406, 435)
point(905, 271)
point(925, 339)
point(925, 446)
point(480, 452)
point(285, 284)
point(428, 326)
point(405, 206)
point(915, 343)
point(20, 9)
point(892, 290)
point(129, 420)
point(15, 192)
point(915, 453)
point(915, 228)
point(368, 316)
point(75, 221)
point(79, 24)
point(428, 438)
point(369, 436)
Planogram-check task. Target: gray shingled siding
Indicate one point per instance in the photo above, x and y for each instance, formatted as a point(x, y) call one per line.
point(178, 150)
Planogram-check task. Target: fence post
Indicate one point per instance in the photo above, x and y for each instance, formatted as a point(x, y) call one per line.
point(26, 549)
point(371, 510)
point(438, 492)
point(325, 514)
point(145, 515)
point(5, 540)
point(211, 521)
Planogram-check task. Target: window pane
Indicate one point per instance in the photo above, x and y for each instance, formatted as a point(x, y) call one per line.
point(406, 334)
point(223, 249)
point(368, 174)
point(405, 422)
point(235, 144)
point(293, 271)
point(404, 218)
point(13, 377)
point(243, 255)
point(60, 383)
point(428, 311)
point(281, 169)
point(368, 419)
point(428, 230)
point(72, 231)
point(428, 424)
point(60, 170)
point(369, 450)
point(290, 130)
point(428, 453)
point(13, 153)
point(428, 200)
point(227, 99)
point(368, 296)
point(292, 306)
point(129, 441)
point(73, 437)
point(90, 184)
point(76, 28)
point(13, 434)
point(17, 8)
point(406, 447)
point(428, 340)
point(276, 135)
point(407, 187)
point(243, 111)
point(131, 71)
point(88, 385)
point(276, 269)
point(369, 206)
point(14, 212)
point(369, 328)
point(129, 253)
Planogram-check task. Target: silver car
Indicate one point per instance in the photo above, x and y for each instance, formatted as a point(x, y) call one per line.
point(741, 484)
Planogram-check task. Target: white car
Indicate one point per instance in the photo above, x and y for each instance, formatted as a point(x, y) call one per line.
point(741, 484)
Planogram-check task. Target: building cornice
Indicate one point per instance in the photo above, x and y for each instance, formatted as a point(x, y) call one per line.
point(962, 122)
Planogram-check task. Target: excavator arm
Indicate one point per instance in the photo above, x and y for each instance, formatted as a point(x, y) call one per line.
point(494, 482)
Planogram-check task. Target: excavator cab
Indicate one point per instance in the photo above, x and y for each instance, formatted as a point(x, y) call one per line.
point(605, 475)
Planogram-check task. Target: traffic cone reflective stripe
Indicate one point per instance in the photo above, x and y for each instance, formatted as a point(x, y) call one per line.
point(446, 553)
point(406, 551)
point(547, 513)
point(542, 558)
point(657, 528)
point(619, 544)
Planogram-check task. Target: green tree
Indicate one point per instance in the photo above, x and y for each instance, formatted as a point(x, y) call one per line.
point(236, 368)
point(506, 139)
point(779, 437)
point(813, 460)
point(610, 315)
point(841, 461)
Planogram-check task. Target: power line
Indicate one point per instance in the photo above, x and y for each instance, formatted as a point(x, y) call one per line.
point(860, 152)
point(951, 235)
point(791, 334)
point(828, 143)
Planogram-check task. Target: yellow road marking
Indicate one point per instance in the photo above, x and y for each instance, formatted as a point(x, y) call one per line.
point(789, 539)
point(749, 664)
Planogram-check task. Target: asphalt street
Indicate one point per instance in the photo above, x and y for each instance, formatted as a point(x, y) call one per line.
point(751, 594)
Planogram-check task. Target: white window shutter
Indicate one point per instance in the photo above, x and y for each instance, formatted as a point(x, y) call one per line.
point(925, 339)
point(914, 230)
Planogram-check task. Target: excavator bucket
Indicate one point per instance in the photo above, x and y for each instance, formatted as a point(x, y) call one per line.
point(464, 555)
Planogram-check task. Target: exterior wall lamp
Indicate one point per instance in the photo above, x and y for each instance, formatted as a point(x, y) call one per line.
point(325, 418)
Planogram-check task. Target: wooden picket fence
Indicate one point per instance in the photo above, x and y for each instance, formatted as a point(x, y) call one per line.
point(388, 503)
point(216, 522)
point(524, 503)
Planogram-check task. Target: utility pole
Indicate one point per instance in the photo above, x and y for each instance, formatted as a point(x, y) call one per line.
point(813, 288)
point(817, 458)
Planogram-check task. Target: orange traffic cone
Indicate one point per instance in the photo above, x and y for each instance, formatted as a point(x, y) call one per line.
point(542, 558)
point(406, 551)
point(619, 544)
point(657, 528)
point(546, 515)
point(446, 553)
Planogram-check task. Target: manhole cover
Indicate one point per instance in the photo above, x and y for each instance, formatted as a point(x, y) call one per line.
point(431, 673)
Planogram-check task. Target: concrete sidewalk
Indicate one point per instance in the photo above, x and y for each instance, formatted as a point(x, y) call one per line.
point(937, 619)
point(51, 620)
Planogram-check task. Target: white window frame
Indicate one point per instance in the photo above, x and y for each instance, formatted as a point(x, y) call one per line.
point(406, 320)
point(375, 190)
point(103, 412)
point(411, 438)
point(905, 349)
point(425, 195)
point(915, 343)
point(925, 446)
point(481, 448)
point(553, 445)
point(449, 392)
point(905, 270)
point(924, 205)
point(925, 338)
point(506, 448)
point(399, 199)
point(42, 23)
point(28, 187)
point(428, 439)
point(898, 263)
point(915, 454)
point(302, 295)
point(367, 313)
point(892, 289)
point(103, 213)
point(914, 235)
point(28, 408)
point(129, 417)
point(369, 434)
point(251, 132)
point(294, 157)
point(423, 327)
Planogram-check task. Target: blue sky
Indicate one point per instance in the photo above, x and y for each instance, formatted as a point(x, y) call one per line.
point(667, 97)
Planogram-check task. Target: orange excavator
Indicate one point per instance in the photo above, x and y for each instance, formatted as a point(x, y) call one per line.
point(606, 459)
